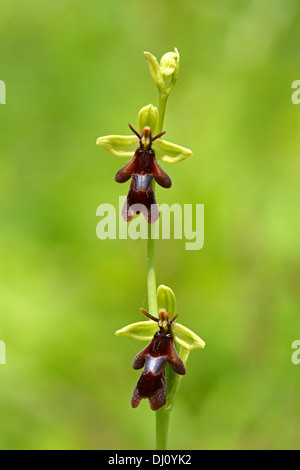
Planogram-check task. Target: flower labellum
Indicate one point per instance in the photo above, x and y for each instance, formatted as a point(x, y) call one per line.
point(152, 383)
point(142, 168)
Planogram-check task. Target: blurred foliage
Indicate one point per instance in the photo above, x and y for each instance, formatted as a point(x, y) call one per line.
point(74, 71)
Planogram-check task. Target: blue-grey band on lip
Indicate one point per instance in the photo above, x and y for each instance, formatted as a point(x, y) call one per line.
point(154, 364)
point(142, 182)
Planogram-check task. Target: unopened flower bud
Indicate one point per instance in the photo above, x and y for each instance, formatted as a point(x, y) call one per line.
point(166, 300)
point(148, 117)
point(169, 63)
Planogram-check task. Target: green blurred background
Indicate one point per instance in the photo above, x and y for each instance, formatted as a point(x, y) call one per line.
point(75, 71)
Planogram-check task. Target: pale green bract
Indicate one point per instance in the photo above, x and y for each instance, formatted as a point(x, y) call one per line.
point(155, 70)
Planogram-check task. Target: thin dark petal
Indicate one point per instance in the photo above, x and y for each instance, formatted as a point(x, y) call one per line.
point(135, 132)
point(158, 136)
point(160, 175)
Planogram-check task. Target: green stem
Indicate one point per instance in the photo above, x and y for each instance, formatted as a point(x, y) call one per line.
point(163, 98)
point(174, 380)
point(151, 275)
point(163, 414)
point(162, 425)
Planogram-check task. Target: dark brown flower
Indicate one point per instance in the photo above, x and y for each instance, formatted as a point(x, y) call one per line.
point(152, 382)
point(142, 168)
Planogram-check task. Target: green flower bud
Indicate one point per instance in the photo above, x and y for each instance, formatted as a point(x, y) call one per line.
point(169, 64)
point(166, 300)
point(168, 67)
point(148, 116)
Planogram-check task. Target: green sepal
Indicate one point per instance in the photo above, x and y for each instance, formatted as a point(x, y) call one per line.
point(119, 145)
point(143, 330)
point(169, 152)
point(186, 337)
point(126, 145)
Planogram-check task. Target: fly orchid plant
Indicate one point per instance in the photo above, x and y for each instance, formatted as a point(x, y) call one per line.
point(163, 366)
